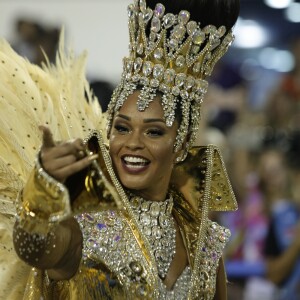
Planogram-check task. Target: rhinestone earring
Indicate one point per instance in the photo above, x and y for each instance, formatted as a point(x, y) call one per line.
point(182, 156)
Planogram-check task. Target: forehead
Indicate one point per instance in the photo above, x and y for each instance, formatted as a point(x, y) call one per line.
point(130, 107)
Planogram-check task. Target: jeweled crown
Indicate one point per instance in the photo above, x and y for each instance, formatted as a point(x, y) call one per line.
point(171, 54)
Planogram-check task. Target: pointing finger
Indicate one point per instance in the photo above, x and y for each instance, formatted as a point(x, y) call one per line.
point(48, 141)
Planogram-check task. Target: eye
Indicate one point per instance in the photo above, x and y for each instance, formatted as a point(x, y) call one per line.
point(121, 129)
point(155, 132)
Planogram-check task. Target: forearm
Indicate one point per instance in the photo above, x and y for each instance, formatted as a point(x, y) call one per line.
point(59, 251)
point(45, 234)
point(280, 267)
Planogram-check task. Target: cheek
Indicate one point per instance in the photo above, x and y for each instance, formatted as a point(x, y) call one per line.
point(114, 145)
point(164, 151)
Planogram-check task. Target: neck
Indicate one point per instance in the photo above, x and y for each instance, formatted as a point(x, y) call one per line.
point(156, 197)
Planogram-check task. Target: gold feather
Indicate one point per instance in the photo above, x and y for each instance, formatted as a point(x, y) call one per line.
point(57, 95)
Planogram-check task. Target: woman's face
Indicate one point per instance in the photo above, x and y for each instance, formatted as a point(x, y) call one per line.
point(272, 170)
point(141, 147)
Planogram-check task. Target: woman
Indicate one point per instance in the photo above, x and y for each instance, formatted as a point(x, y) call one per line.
point(132, 221)
point(281, 247)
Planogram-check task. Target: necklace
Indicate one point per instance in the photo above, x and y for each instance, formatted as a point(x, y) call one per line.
point(158, 226)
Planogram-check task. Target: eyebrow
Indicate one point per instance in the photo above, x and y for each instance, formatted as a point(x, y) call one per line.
point(145, 120)
point(123, 117)
point(153, 120)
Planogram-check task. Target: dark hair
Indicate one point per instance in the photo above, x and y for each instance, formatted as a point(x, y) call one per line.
point(207, 12)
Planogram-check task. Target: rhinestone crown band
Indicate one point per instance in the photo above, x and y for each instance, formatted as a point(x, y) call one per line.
point(173, 55)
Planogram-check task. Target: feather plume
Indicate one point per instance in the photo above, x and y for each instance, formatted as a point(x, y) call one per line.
point(57, 95)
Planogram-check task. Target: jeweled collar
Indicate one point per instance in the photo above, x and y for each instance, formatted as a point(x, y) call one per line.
point(158, 225)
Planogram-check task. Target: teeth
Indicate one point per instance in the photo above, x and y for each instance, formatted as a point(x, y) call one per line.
point(135, 166)
point(135, 160)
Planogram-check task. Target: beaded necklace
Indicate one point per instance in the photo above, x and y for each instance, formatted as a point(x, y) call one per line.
point(158, 225)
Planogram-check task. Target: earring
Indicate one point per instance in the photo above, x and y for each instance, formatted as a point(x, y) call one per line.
point(182, 156)
point(106, 145)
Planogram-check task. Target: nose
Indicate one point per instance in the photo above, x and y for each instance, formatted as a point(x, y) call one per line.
point(134, 141)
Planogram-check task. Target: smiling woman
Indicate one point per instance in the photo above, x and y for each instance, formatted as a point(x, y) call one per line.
point(129, 220)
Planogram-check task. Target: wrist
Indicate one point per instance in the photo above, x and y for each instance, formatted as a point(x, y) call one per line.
point(43, 202)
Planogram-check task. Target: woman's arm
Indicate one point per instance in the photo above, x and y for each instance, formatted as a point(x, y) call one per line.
point(279, 268)
point(58, 252)
point(45, 234)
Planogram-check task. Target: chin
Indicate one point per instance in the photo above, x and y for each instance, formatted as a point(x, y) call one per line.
point(134, 184)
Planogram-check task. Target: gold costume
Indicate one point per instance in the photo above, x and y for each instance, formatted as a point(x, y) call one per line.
point(117, 260)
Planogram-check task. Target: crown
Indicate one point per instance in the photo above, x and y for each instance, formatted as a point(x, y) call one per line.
point(173, 55)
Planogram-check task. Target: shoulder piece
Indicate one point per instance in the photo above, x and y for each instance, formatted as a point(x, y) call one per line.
point(203, 180)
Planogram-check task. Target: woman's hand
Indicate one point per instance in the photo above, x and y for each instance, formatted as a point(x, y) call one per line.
point(60, 160)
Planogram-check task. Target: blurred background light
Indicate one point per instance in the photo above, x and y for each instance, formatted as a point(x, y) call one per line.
point(292, 13)
point(278, 60)
point(249, 69)
point(266, 57)
point(249, 34)
point(278, 3)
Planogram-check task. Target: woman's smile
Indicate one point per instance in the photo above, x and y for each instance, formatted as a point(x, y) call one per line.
point(135, 164)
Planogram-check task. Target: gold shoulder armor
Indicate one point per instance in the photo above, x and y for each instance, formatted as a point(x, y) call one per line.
point(202, 177)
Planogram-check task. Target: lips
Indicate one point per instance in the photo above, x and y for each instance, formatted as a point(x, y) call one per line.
point(135, 163)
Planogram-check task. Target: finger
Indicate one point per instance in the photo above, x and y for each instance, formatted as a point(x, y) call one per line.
point(80, 154)
point(48, 141)
point(78, 143)
point(81, 150)
point(60, 162)
point(64, 149)
point(69, 170)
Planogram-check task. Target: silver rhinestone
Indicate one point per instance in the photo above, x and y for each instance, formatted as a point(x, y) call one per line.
point(148, 15)
point(169, 20)
point(158, 53)
point(198, 37)
point(184, 16)
point(179, 32)
point(180, 61)
point(155, 24)
point(158, 72)
point(191, 27)
point(147, 68)
point(140, 49)
point(159, 10)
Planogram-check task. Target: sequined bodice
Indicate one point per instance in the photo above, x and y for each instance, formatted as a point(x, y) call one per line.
point(109, 240)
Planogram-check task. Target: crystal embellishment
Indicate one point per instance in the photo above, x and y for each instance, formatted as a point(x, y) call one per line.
point(169, 20)
point(184, 16)
point(159, 10)
point(158, 225)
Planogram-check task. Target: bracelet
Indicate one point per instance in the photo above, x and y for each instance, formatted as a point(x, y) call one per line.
point(42, 203)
